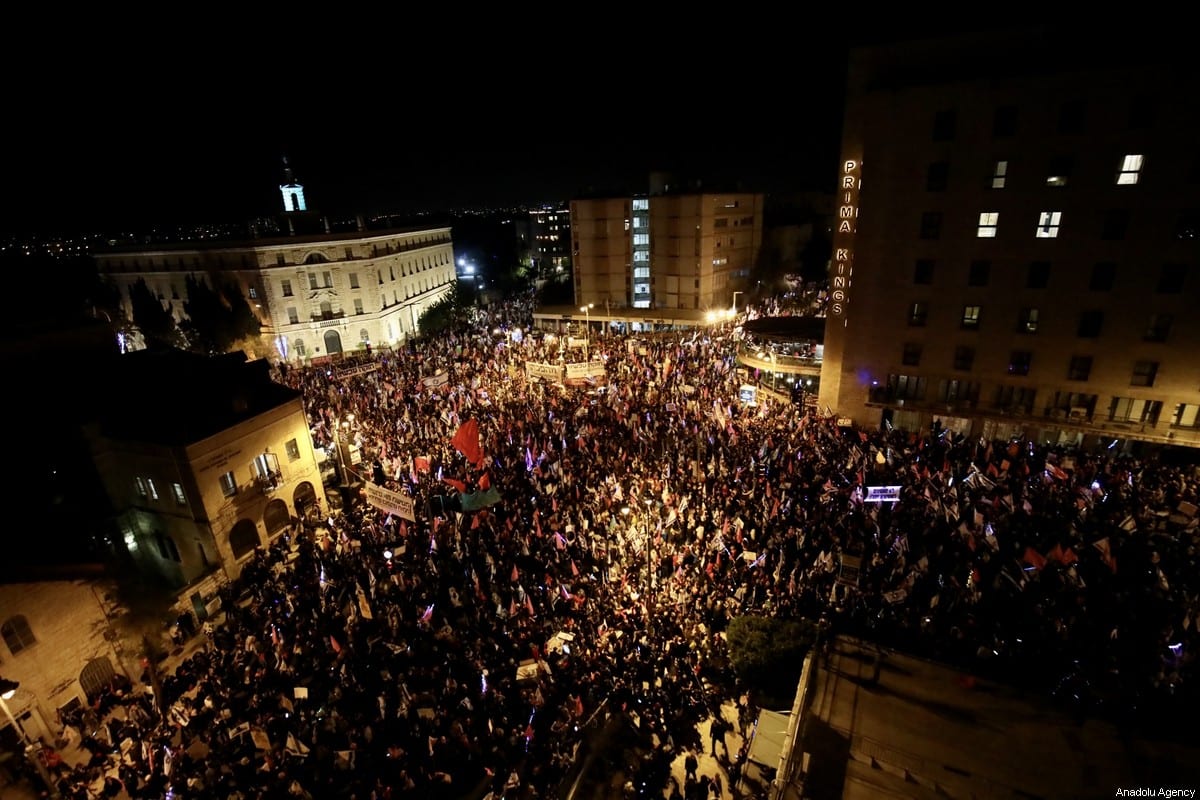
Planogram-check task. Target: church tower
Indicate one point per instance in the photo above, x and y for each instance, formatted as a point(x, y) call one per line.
point(293, 193)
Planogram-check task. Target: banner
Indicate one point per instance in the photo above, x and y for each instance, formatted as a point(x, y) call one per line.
point(434, 381)
point(882, 494)
point(395, 503)
point(350, 372)
point(585, 369)
point(479, 500)
point(548, 372)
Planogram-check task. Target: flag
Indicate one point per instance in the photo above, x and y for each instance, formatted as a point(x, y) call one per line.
point(862, 435)
point(459, 485)
point(434, 381)
point(1055, 554)
point(1056, 472)
point(1034, 559)
point(421, 463)
point(475, 501)
point(466, 441)
point(1068, 557)
point(485, 481)
point(529, 605)
point(574, 569)
point(516, 576)
point(337, 648)
point(364, 607)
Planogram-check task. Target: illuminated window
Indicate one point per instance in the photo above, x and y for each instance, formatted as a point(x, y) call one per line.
point(911, 355)
point(1048, 224)
point(641, 204)
point(1187, 415)
point(1131, 170)
point(1079, 368)
point(988, 222)
point(641, 222)
point(229, 485)
point(1144, 373)
point(292, 448)
point(253, 293)
point(999, 174)
point(641, 238)
point(1027, 321)
point(1060, 171)
point(17, 634)
point(1130, 409)
point(642, 256)
point(139, 484)
point(970, 317)
point(641, 272)
point(180, 497)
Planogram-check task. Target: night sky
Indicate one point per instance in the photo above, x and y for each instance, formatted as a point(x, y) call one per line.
point(141, 135)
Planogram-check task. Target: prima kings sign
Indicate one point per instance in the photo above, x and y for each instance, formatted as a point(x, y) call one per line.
point(843, 241)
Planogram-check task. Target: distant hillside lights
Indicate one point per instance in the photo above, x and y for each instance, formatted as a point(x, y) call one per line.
point(843, 253)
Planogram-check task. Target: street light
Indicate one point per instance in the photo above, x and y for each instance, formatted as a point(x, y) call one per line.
point(587, 333)
point(7, 690)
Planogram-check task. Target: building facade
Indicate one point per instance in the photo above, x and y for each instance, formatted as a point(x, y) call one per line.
point(317, 295)
point(668, 251)
point(198, 483)
point(544, 240)
point(60, 644)
point(1015, 247)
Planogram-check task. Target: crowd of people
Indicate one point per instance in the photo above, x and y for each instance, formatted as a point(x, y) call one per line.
point(623, 523)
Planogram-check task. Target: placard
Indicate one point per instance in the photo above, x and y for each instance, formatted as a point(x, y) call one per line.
point(585, 369)
point(392, 502)
point(882, 494)
point(548, 372)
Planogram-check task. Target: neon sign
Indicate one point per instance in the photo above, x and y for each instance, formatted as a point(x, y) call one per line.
point(843, 251)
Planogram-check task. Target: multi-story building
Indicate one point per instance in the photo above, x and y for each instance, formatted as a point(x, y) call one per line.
point(668, 251)
point(203, 460)
point(316, 295)
point(544, 239)
point(1015, 248)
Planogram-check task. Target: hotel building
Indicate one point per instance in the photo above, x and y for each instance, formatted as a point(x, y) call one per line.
point(1015, 247)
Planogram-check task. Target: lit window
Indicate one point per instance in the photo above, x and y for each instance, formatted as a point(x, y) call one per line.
point(970, 317)
point(152, 488)
point(999, 174)
point(293, 450)
point(140, 485)
point(988, 222)
point(180, 497)
point(641, 204)
point(253, 293)
point(228, 484)
point(641, 238)
point(1131, 170)
point(642, 255)
point(641, 272)
point(1028, 321)
point(1048, 224)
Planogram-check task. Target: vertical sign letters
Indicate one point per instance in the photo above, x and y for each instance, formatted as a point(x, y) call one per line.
point(843, 240)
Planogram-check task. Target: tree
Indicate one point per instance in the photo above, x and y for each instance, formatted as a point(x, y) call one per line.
point(153, 319)
point(451, 309)
point(217, 318)
point(768, 654)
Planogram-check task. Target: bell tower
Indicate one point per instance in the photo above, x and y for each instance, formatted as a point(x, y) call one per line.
point(293, 193)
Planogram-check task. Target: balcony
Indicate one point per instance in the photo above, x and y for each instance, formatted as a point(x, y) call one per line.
point(327, 316)
point(266, 483)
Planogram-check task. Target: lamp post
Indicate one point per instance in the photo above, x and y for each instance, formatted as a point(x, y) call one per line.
point(7, 690)
point(587, 331)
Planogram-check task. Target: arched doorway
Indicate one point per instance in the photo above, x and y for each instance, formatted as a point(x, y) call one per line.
point(333, 342)
point(304, 497)
point(276, 516)
point(96, 675)
point(243, 538)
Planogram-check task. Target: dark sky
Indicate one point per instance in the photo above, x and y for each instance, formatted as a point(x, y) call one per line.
point(146, 130)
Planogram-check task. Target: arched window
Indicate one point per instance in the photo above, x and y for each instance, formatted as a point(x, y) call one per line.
point(316, 258)
point(17, 634)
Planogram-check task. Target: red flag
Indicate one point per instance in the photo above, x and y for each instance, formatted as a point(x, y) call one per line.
point(337, 648)
point(485, 482)
point(515, 575)
point(574, 569)
point(421, 463)
point(1068, 557)
point(1056, 472)
point(1055, 554)
point(462, 487)
point(1034, 559)
point(863, 436)
point(529, 605)
point(466, 441)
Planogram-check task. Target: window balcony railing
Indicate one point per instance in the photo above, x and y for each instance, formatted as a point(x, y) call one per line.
point(268, 482)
